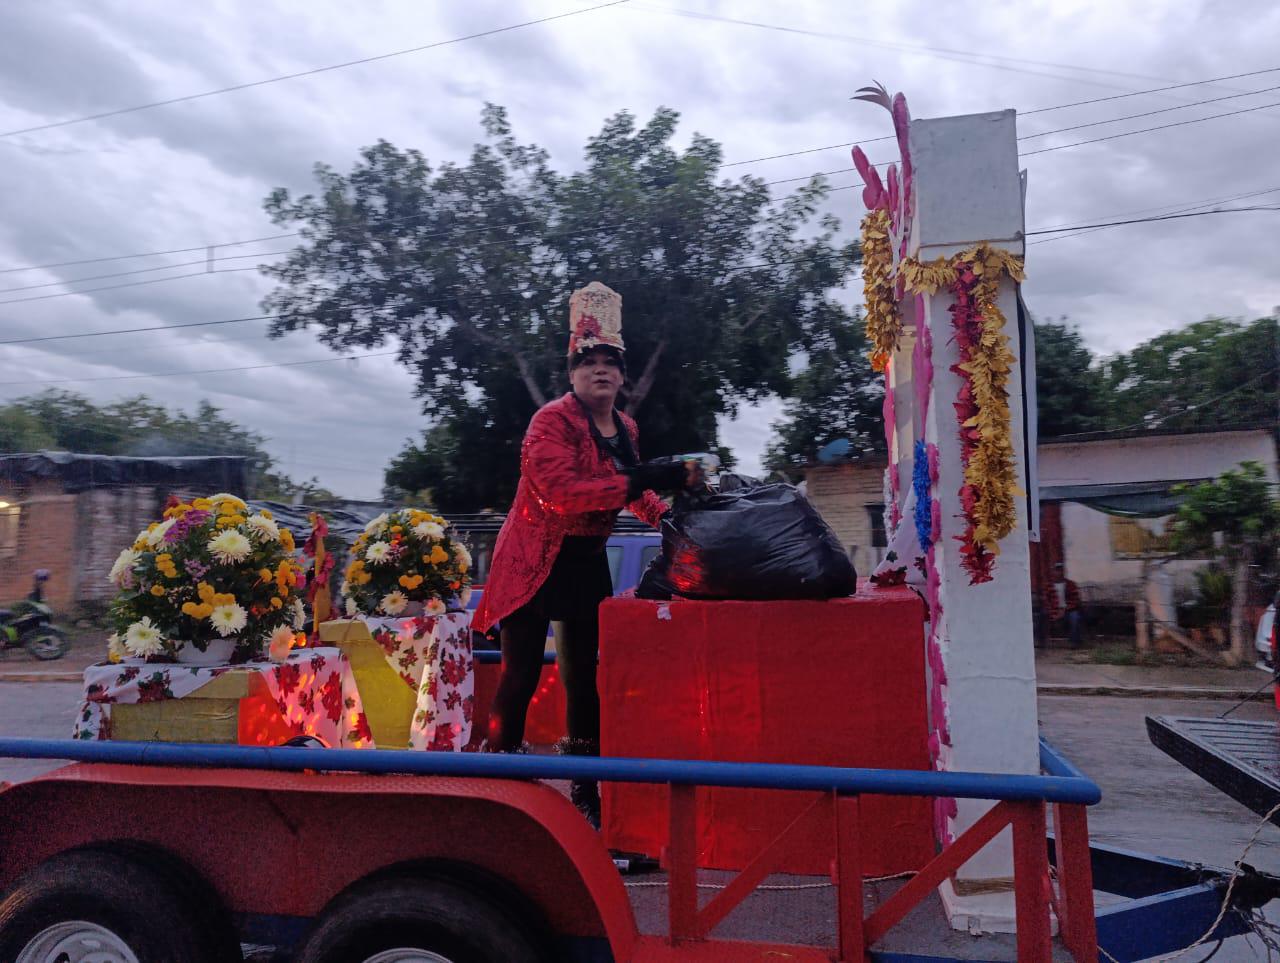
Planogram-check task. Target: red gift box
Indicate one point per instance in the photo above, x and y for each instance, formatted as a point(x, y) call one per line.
point(838, 683)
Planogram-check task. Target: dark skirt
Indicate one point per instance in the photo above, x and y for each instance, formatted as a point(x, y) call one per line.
point(578, 582)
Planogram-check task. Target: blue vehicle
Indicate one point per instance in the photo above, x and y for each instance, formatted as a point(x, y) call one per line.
point(629, 552)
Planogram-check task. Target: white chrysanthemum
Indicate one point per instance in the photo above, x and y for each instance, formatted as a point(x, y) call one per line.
point(351, 607)
point(462, 555)
point(155, 537)
point(229, 546)
point(281, 642)
point(434, 607)
point(228, 619)
point(428, 530)
point(299, 615)
point(264, 527)
point(115, 648)
point(393, 602)
point(378, 525)
point(464, 597)
point(123, 566)
point(143, 639)
point(221, 497)
point(377, 553)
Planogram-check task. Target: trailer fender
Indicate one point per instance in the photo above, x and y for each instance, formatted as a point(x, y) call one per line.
point(284, 844)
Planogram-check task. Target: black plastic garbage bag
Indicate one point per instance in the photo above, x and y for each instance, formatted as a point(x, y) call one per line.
point(749, 541)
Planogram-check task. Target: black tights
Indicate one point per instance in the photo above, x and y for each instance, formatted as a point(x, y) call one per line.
point(524, 637)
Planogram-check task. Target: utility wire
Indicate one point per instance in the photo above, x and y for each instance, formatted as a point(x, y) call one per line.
point(452, 234)
point(834, 256)
point(1167, 208)
point(150, 270)
point(1150, 220)
point(305, 73)
point(1147, 130)
point(288, 234)
point(184, 374)
point(129, 284)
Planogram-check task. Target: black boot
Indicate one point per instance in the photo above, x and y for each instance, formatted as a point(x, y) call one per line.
point(583, 793)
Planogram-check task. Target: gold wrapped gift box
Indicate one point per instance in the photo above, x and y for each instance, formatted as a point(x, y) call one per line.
point(210, 714)
point(389, 703)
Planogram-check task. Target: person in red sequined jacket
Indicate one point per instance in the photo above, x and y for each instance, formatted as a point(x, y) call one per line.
point(578, 469)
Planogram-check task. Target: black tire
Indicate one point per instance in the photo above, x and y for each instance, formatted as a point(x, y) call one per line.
point(47, 644)
point(113, 890)
point(418, 913)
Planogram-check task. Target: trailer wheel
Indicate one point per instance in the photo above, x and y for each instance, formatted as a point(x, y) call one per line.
point(91, 905)
point(415, 920)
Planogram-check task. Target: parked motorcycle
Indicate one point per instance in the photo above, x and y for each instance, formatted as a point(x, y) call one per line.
point(29, 625)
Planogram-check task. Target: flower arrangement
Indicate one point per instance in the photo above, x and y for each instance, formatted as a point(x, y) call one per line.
point(210, 570)
point(406, 557)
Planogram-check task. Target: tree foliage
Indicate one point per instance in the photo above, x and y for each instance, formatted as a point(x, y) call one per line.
point(1068, 385)
point(1237, 518)
point(1206, 375)
point(468, 269)
point(66, 421)
point(835, 395)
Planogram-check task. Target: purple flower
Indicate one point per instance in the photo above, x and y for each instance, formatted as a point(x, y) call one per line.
point(184, 525)
point(195, 569)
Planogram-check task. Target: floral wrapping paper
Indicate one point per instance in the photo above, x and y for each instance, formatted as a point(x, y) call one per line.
point(433, 656)
point(314, 689)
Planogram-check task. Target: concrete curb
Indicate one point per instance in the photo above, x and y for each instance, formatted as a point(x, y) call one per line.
point(1152, 692)
point(1043, 688)
point(76, 677)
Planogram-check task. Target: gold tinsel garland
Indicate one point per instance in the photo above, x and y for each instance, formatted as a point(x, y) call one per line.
point(988, 495)
point(884, 322)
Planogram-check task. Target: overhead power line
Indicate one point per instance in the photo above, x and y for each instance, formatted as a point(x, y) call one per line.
point(287, 234)
point(1150, 220)
point(270, 317)
point(184, 374)
point(305, 73)
point(1147, 130)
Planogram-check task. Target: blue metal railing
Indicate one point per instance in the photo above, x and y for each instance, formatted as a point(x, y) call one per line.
point(889, 782)
point(494, 657)
point(1056, 764)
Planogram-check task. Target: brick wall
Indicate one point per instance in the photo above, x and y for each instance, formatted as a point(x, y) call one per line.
point(46, 539)
point(841, 494)
point(75, 536)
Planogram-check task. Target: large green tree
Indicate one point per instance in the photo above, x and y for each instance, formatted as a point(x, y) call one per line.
point(1068, 384)
point(468, 269)
point(1206, 375)
point(66, 421)
point(834, 395)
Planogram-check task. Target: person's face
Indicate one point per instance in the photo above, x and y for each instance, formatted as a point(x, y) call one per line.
point(597, 378)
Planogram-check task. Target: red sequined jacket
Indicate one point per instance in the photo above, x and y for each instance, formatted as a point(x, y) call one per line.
point(567, 487)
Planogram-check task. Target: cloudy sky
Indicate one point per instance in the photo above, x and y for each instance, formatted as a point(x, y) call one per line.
point(194, 173)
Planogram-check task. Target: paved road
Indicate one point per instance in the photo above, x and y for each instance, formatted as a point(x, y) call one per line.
point(1150, 803)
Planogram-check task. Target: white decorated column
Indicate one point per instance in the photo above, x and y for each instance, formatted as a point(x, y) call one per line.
point(953, 218)
point(968, 191)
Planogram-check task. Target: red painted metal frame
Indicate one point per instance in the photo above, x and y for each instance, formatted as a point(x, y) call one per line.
point(1033, 887)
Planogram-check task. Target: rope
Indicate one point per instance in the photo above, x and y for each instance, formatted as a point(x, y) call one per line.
point(1226, 900)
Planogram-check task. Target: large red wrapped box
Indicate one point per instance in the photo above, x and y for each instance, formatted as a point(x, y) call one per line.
point(839, 683)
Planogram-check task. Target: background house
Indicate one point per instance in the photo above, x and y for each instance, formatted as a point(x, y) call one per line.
point(73, 513)
point(1105, 502)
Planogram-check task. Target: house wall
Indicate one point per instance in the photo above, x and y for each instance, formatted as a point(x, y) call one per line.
point(841, 494)
point(75, 536)
point(46, 539)
point(1088, 545)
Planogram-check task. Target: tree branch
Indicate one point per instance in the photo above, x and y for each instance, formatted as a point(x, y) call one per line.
point(647, 377)
point(501, 344)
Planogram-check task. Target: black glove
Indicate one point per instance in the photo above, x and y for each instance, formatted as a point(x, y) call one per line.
point(670, 477)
